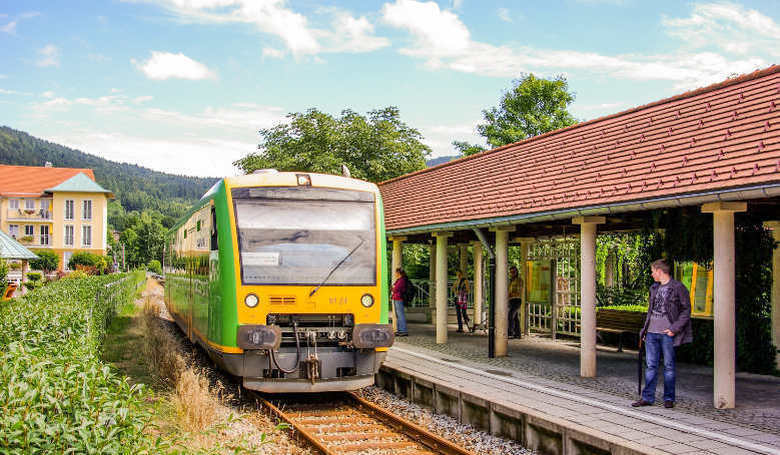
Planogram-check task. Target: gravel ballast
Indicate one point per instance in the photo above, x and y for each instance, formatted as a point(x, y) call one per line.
point(448, 428)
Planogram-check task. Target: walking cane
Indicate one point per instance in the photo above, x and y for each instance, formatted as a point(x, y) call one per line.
point(639, 369)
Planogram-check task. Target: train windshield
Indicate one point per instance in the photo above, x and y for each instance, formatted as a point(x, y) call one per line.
point(298, 235)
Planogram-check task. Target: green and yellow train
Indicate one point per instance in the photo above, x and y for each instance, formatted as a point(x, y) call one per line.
point(281, 278)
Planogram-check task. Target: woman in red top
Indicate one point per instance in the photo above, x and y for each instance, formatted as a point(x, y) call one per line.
point(399, 289)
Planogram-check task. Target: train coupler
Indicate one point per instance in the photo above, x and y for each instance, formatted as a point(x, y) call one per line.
point(312, 367)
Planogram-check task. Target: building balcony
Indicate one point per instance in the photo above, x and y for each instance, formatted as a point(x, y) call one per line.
point(29, 215)
point(36, 241)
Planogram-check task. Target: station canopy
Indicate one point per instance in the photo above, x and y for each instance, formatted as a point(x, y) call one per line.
point(717, 143)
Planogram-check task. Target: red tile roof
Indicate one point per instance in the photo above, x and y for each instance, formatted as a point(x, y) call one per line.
point(723, 136)
point(31, 181)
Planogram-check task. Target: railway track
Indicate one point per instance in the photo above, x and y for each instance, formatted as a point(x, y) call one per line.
point(346, 424)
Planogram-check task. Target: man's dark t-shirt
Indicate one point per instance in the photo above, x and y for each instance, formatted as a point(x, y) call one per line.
point(659, 318)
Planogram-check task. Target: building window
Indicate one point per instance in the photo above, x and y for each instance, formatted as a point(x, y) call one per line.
point(13, 203)
point(13, 230)
point(86, 212)
point(44, 235)
point(69, 209)
point(86, 235)
point(29, 204)
point(29, 230)
point(69, 235)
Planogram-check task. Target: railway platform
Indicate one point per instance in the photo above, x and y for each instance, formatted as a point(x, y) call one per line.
point(535, 395)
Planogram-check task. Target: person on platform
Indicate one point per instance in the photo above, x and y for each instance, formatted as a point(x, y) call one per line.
point(399, 290)
point(515, 302)
point(667, 325)
point(462, 300)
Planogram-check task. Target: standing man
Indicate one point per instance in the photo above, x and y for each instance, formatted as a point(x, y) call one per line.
point(667, 325)
point(515, 301)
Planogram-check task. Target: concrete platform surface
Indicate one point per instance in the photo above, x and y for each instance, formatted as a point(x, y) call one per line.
point(538, 385)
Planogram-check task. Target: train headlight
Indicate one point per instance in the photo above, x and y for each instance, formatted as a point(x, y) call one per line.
point(367, 300)
point(251, 300)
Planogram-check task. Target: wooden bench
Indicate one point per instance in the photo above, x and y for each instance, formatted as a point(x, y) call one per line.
point(620, 322)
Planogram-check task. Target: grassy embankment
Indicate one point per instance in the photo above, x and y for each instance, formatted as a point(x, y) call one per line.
point(59, 394)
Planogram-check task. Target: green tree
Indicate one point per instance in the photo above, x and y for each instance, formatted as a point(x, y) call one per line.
point(154, 266)
point(47, 261)
point(375, 147)
point(532, 107)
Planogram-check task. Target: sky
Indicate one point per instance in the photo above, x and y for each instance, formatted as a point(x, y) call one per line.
point(184, 86)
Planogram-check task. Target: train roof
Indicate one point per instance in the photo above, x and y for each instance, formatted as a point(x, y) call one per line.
point(277, 179)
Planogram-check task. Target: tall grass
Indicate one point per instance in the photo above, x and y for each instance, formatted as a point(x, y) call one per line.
point(192, 396)
point(56, 395)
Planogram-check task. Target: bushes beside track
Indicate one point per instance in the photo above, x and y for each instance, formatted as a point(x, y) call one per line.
point(56, 395)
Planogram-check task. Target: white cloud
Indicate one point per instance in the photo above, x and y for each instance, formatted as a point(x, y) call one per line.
point(439, 137)
point(142, 99)
point(204, 143)
point(165, 65)
point(189, 156)
point(272, 53)
point(49, 55)
point(443, 42)
point(354, 35)
point(504, 15)
point(274, 17)
point(239, 116)
point(728, 26)
point(269, 16)
point(104, 104)
point(10, 27)
point(47, 94)
point(438, 33)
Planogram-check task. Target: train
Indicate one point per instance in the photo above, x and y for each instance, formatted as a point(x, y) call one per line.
point(281, 278)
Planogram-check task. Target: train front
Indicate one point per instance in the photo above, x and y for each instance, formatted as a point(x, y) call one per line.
point(311, 287)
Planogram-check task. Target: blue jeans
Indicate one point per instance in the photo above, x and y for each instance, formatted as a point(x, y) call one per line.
point(655, 344)
point(400, 315)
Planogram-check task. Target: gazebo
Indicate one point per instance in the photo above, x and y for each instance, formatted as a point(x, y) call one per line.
point(11, 249)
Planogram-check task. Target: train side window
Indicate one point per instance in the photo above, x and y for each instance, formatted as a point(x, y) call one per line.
point(214, 244)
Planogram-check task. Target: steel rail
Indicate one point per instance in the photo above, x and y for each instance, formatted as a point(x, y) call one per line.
point(412, 430)
point(394, 423)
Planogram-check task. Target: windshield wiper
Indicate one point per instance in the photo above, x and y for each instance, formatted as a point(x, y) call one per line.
point(336, 268)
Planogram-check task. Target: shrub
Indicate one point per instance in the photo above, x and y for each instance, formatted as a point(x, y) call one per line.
point(47, 261)
point(34, 276)
point(57, 395)
point(154, 266)
point(84, 258)
point(88, 270)
point(75, 275)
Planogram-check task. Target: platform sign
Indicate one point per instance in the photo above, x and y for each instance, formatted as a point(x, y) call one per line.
point(539, 280)
point(698, 279)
